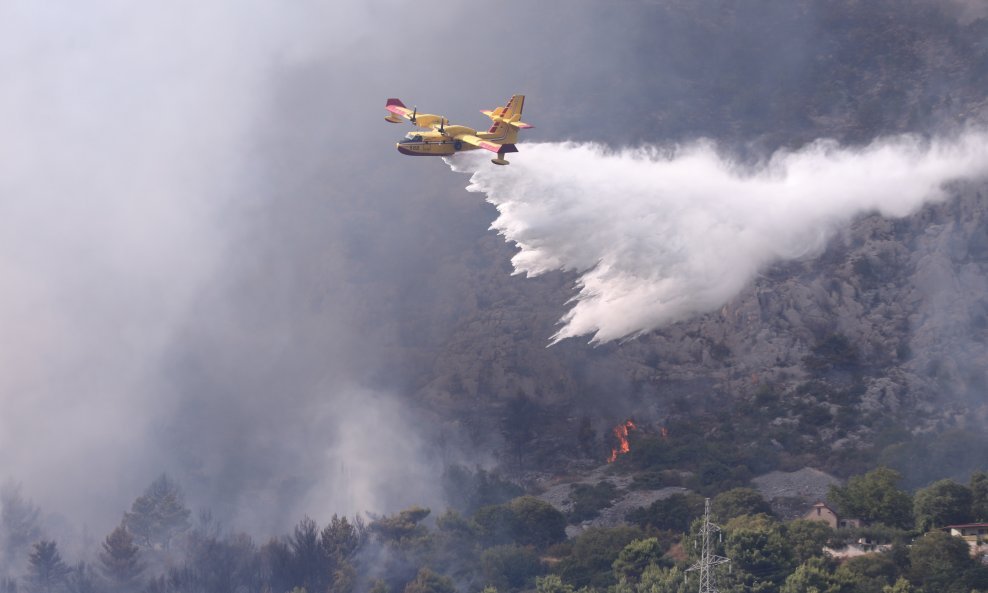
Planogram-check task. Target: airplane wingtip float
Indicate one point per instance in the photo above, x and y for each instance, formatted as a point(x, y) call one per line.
point(445, 139)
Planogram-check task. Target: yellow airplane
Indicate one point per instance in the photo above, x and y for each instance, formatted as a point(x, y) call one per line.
point(445, 140)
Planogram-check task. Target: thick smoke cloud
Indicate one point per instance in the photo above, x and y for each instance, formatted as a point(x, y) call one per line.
point(132, 188)
point(659, 236)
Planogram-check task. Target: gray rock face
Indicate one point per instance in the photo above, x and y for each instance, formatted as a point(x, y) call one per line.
point(792, 493)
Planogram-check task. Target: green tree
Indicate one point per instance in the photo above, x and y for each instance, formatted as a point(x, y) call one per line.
point(537, 522)
point(509, 568)
point(758, 550)
point(870, 573)
point(551, 583)
point(876, 498)
point(159, 515)
point(427, 581)
point(658, 579)
point(525, 521)
point(673, 513)
point(944, 502)
point(816, 575)
point(900, 586)
point(636, 557)
point(979, 496)
point(403, 525)
point(308, 562)
point(120, 561)
point(937, 562)
point(738, 501)
point(338, 543)
point(341, 538)
point(456, 547)
point(807, 538)
point(46, 570)
point(593, 554)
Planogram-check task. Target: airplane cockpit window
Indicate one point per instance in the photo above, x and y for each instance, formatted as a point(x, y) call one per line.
point(412, 137)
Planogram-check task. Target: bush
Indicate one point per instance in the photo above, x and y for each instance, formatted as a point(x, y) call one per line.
point(654, 480)
point(525, 521)
point(594, 552)
point(427, 581)
point(672, 514)
point(510, 567)
point(737, 502)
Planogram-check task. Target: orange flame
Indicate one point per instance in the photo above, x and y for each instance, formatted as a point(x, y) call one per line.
point(621, 432)
point(664, 432)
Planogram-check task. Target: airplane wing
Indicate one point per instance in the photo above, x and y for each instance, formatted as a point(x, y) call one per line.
point(420, 120)
point(486, 144)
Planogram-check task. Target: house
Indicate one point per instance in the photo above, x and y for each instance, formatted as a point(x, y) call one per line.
point(975, 534)
point(822, 512)
point(969, 532)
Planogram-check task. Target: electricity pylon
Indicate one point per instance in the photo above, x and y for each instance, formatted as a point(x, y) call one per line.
point(708, 560)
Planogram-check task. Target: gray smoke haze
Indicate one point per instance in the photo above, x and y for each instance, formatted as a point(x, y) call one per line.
point(658, 238)
point(125, 180)
point(206, 237)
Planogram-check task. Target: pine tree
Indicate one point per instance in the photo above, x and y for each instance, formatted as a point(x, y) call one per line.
point(83, 579)
point(19, 527)
point(47, 572)
point(120, 562)
point(309, 563)
point(159, 515)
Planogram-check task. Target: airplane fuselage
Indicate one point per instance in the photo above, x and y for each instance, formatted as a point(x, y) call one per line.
point(435, 143)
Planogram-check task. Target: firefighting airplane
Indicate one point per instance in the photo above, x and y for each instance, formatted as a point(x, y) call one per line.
point(445, 140)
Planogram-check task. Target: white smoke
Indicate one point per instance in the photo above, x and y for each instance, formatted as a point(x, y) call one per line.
point(659, 236)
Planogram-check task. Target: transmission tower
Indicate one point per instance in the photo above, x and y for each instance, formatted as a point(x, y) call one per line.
point(708, 560)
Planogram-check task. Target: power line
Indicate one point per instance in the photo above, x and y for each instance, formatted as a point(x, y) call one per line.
point(708, 560)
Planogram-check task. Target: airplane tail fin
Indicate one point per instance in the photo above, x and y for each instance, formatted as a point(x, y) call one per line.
point(396, 107)
point(509, 115)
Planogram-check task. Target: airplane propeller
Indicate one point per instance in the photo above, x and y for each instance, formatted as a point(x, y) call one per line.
point(442, 130)
point(415, 111)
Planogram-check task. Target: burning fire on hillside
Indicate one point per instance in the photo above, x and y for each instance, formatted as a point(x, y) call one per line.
point(621, 432)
